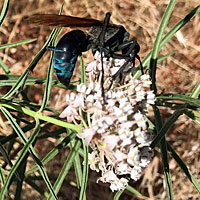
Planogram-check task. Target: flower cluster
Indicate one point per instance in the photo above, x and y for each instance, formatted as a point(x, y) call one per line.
point(116, 129)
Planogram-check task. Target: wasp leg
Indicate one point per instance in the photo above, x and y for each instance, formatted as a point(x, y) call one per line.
point(100, 45)
point(118, 73)
point(131, 48)
point(130, 51)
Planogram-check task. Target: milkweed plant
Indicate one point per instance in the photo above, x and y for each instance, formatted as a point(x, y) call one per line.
point(108, 131)
point(116, 130)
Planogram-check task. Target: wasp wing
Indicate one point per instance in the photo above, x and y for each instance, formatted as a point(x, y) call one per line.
point(63, 20)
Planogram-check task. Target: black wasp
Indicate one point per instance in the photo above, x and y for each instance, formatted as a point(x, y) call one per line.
point(106, 38)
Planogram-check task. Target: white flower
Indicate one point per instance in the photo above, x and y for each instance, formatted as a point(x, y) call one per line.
point(140, 95)
point(133, 156)
point(136, 173)
point(140, 120)
point(87, 135)
point(79, 101)
point(108, 176)
point(91, 67)
point(93, 161)
point(71, 113)
point(119, 184)
point(123, 168)
point(150, 97)
point(142, 137)
point(81, 88)
point(110, 141)
point(122, 119)
point(116, 130)
point(117, 111)
point(119, 155)
point(116, 183)
point(146, 80)
point(127, 141)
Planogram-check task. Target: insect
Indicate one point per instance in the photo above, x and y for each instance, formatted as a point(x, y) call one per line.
point(104, 37)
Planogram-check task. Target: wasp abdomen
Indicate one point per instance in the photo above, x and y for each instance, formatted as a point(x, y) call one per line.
point(69, 47)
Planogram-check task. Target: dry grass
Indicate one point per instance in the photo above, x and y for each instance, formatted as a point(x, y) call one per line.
point(178, 74)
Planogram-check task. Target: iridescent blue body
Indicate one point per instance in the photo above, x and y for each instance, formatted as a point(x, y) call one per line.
point(69, 47)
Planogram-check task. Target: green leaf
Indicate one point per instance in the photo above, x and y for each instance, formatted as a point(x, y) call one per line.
point(157, 44)
point(53, 152)
point(22, 136)
point(7, 159)
point(30, 68)
point(66, 167)
point(83, 76)
point(163, 129)
point(82, 195)
point(193, 114)
point(22, 155)
point(179, 97)
point(168, 36)
point(4, 11)
point(3, 46)
point(49, 76)
point(184, 168)
point(4, 67)
point(40, 116)
point(196, 91)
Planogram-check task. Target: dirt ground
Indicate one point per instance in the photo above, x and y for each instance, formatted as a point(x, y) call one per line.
point(179, 73)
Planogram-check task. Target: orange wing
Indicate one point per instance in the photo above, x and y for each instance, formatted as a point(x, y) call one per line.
point(63, 20)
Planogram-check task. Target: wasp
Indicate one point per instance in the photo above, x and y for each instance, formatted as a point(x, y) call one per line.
point(108, 39)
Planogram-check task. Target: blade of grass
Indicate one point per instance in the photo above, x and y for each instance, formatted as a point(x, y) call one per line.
point(50, 71)
point(78, 170)
point(19, 160)
point(9, 80)
point(4, 67)
point(82, 195)
point(77, 165)
point(30, 68)
point(7, 159)
point(163, 148)
point(22, 136)
point(196, 91)
point(49, 76)
point(179, 97)
point(3, 46)
point(53, 152)
point(67, 165)
point(4, 11)
point(134, 191)
point(48, 85)
point(22, 169)
point(153, 66)
point(156, 47)
point(167, 37)
point(2, 177)
point(184, 168)
point(40, 116)
point(164, 128)
point(83, 76)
